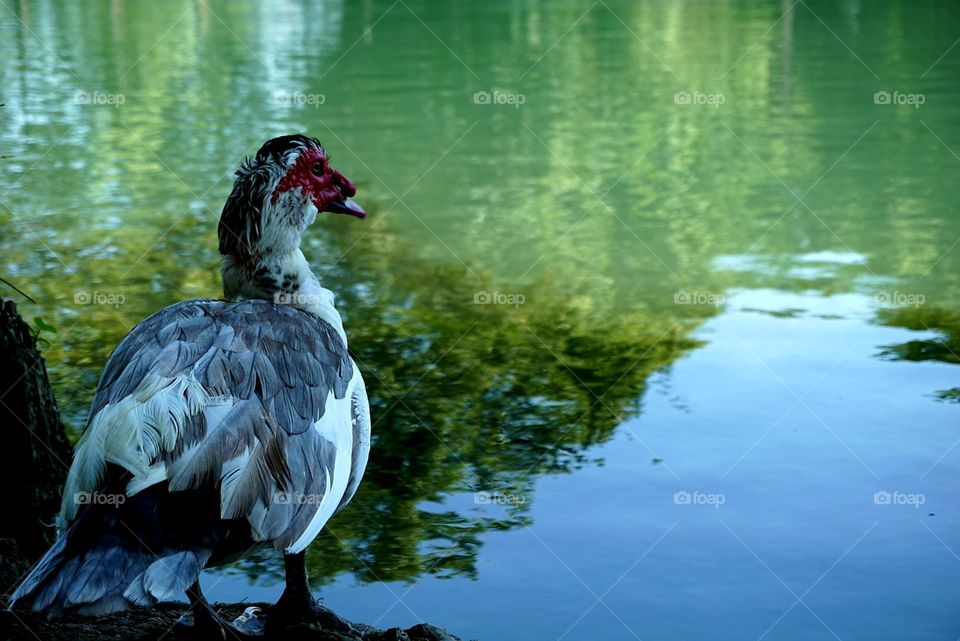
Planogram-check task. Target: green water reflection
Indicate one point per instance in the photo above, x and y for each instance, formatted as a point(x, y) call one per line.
point(600, 200)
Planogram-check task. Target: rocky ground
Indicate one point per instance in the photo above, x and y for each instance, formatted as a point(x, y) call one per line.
point(160, 624)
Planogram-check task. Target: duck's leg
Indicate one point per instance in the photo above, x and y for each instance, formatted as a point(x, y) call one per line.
point(298, 605)
point(209, 625)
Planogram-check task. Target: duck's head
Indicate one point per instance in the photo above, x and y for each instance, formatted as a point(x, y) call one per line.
point(277, 195)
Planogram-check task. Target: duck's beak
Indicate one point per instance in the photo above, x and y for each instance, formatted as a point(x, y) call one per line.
point(345, 206)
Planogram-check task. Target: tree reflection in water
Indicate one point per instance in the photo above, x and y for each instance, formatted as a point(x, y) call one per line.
point(479, 400)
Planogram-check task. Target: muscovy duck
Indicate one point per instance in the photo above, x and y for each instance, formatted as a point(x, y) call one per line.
point(219, 425)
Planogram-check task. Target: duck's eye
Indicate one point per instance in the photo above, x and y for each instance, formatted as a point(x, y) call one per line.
point(317, 168)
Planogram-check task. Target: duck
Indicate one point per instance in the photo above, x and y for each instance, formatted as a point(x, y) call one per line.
point(220, 426)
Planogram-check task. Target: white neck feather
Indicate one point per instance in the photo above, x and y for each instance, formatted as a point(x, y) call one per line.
point(284, 279)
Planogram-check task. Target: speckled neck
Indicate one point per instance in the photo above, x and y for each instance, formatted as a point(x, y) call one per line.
point(282, 279)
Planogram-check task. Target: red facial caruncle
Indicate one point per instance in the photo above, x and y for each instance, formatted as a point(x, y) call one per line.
point(329, 190)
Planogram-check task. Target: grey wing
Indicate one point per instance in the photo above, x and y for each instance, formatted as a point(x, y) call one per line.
point(228, 394)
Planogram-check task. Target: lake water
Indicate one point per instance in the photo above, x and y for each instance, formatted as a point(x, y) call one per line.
point(658, 303)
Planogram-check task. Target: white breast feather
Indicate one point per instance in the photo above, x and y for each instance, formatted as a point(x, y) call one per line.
point(336, 426)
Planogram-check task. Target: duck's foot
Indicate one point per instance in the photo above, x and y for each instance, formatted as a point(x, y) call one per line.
point(301, 608)
point(203, 623)
point(297, 606)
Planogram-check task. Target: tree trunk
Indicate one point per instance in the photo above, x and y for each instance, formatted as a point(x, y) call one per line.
point(35, 453)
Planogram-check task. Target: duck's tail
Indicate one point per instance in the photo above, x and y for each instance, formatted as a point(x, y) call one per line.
point(112, 557)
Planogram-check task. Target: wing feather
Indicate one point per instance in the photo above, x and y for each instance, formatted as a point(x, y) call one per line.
point(233, 395)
